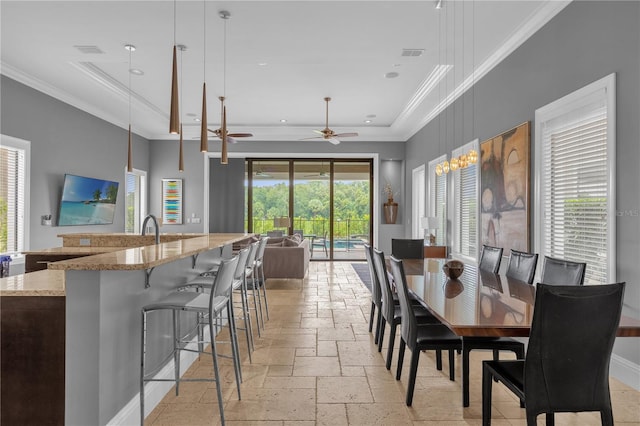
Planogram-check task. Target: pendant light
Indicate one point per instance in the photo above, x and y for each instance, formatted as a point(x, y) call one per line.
point(174, 116)
point(224, 15)
point(130, 48)
point(181, 48)
point(204, 141)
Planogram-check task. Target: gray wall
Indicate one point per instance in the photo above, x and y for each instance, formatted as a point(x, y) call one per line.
point(63, 140)
point(583, 43)
point(164, 161)
point(226, 195)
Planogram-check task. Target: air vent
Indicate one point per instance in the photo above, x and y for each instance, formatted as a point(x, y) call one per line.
point(412, 52)
point(89, 49)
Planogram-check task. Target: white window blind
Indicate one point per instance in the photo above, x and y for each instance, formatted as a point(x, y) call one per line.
point(465, 205)
point(14, 190)
point(576, 183)
point(438, 199)
point(135, 200)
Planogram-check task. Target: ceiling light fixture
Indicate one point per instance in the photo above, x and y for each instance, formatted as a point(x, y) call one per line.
point(130, 48)
point(204, 141)
point(439, 4)
point(136, 71)
point(182, 49)
point(224, 15)
point(283, 121)
point(367, 121)
point(391, 74)
point(174, 115)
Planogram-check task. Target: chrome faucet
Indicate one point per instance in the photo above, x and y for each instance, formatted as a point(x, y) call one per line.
point(155, 224)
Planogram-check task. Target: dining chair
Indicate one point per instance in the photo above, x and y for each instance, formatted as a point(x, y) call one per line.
point(391, 313)
point(209, 306)
point(566, 368)
point(563, 272)
point(419, 337)
point(320, 242)
point(490, 258)
point(522, 266)
point(259, 281)
point(275, 234)
point(376, 293)
point(407, 248)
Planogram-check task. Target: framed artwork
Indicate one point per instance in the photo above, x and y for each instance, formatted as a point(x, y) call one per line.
point(171, 201)
point(505, 189)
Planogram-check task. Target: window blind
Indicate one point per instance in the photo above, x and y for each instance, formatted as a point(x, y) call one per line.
point(465, 204)
point(12, 199)
point(575, 188)
point(438, 199)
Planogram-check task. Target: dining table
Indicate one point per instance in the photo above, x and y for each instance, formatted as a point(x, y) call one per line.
point(480, 303)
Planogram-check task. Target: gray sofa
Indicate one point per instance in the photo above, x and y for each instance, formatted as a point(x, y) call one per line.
point(284, 257)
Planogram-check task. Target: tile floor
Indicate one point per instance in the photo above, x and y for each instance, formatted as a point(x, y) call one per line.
point(316, 364)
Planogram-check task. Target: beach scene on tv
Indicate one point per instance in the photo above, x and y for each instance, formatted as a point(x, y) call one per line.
point(87, 201)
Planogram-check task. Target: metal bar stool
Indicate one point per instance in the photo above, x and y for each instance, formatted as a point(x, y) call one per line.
point(209, 306)
point(259, 279)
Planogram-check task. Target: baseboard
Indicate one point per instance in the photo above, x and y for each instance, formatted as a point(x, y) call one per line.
point(625, 371)
point(156, 391)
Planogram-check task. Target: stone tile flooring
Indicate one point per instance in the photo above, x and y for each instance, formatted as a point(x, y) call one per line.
point(316, 364)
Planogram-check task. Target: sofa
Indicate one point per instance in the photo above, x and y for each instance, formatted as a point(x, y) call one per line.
point(284, 257)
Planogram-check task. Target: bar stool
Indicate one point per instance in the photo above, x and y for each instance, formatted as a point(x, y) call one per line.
point(204, 283)
point(258, 277)
point(249, 275)
point(208, 306)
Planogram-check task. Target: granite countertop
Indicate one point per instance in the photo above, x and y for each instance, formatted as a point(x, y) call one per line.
point(39, 283)
point(51, 282)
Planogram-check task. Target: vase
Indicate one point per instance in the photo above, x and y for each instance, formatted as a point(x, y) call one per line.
point(390, 211)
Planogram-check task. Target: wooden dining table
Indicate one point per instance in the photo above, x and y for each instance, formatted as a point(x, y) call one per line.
point(480, 304)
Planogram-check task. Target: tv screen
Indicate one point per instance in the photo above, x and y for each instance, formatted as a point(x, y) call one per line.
point(87, 201)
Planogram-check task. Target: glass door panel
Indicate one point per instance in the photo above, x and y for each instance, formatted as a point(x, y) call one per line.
point(351, 209)
point(311, 204)
point(270, 196)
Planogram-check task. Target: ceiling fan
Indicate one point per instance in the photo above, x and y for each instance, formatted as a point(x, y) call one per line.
point(223, 125)
point(321, 174)
point(328, 134)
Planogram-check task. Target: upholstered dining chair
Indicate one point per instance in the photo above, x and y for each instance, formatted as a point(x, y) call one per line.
point(490, 258)
point(566, 368)
point(376, 292)
point(407, 248)
point(522, 266)
point(419, 337)
point(391, 313)
point(560, 271)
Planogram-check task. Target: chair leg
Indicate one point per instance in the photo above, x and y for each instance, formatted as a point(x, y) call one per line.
point(381, 336)
point(143, 350)
point(487, 384)
point(400, 358)
point(606, 417)
point(439, 360)
point(216, 372)
point(465, 374)
point(378, 325)
point(452, 366)
point(373, 310)
point(246, 318)
point(264, 291)
point(551, 421)
point(413, 371)
point(234, 346)
point(176, 350)
point(392, 340)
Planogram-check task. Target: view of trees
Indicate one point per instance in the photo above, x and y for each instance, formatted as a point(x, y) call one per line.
point(311, 206)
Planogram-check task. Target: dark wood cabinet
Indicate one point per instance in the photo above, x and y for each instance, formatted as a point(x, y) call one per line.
point(38, 262)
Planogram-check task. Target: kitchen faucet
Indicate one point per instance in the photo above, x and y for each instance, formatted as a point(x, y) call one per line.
point(155, 224)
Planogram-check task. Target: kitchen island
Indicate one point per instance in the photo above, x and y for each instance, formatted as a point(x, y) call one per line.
point(84, 323)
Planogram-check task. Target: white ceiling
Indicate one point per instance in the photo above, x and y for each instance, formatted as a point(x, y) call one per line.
point(311, 49)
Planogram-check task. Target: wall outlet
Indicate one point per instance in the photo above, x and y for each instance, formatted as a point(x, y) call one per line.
point(195, 220)
point(46, 220)
point(188, 220)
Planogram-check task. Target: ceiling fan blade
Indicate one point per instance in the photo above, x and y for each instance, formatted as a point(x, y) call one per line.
point(346, 135)
point(231, 140)
point(320, 132)
point(333, 141)
point(215, 132)
point(240, 135)
point(313, 138)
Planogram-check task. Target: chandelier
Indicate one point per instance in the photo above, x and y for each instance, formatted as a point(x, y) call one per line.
point(456, 163)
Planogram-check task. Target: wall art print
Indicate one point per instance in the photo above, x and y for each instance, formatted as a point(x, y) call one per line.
point(171, 201)
point(505, 187)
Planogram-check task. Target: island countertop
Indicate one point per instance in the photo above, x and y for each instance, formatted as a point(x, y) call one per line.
point(51, 282)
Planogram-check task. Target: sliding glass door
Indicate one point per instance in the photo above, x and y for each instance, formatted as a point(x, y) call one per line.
point(328, 201)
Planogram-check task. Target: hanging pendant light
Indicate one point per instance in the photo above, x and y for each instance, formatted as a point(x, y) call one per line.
point(174, 116)
point(224, 155)
point(130, 48)
point(204, 138)
point(182, 49)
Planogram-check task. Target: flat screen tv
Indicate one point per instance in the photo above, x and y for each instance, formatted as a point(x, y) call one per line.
point(87, 201)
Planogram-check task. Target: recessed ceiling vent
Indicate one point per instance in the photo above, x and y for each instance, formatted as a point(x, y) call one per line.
point(89, 49)
point(412, 52)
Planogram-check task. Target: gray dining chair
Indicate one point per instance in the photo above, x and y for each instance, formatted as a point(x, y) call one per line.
point(490, 259)
point(562, 272)
point(522, 266)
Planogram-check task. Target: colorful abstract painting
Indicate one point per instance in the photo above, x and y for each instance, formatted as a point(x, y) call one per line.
point(504, 180)
point(171, 201)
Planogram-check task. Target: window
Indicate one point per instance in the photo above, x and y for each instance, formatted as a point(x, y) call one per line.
point(438, 200)
point(575, 163)
point(417, 201)
point(465, 206)
point(135, 200)
point(15, 158)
